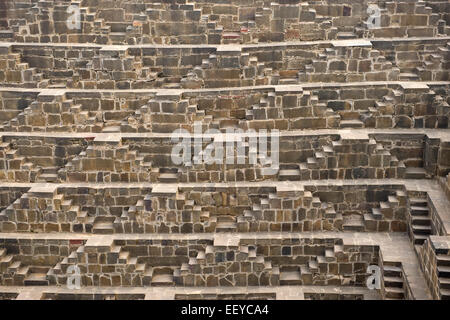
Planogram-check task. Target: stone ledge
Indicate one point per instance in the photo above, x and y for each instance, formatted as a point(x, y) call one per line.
point(154, 293)
point(241, 47)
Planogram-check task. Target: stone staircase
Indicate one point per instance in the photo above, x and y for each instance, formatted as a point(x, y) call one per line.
point(16, 273)
point(47, 211)
point(165, 113)
point(443, 270)
point(407, 18)
point(17, 73)
point(354, 60)
point(119, 67)
point(229, 66)
point(103, 255)
point(353, 223)
point(230, 257)
point(420, 219)
point(52, 111)
point(338, 156)
point(214, 23)
point(392, 209)
point(314, 271)
point(15, 167)
point(393, 281)
point(33, 161)
point(115, 162)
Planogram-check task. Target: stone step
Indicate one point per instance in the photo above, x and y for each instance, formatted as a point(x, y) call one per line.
point(124, 256)
point(443, 260)
point(132, 261)
point(162, 280)
point(319, 155)
point(330, 213)
point(289, 175)
point(355, 224)
point(50, 169)
point(47, 177)
point(393, 282)
point(408, 76)
point(419, 239)
point(140, 267)
point(393, 201)
point(291, 278)
point(312, 163)
point(226, 227)
point(231, 36)
point(304, 271)
point(444, 283)
point(351, 124)
point(313, 266)
point(201, 256)
point(5, 262)
point(329, 255)
point(98, 244)
point(392, 271)
point(168, 177)
point(328, 149)
point(22, 273)
point(66, 204)
point(82, 216)
point(445, 294)
point(103, 227)
point(338, 249)
point(251, 254)
point(346, 35)
point(443, 271)
point(421, 221)
point(36, 279)
point(419, 211)
point(377, 214)
point(395, 293)
point(417, 202)
point(14, 267)
point(415, 173)
point(420, 229)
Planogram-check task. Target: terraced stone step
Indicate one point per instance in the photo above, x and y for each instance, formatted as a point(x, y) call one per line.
point(445, 294)
point(355, 224)
point(419, 239)
point(392, 271)
point(393, 282)
point(168, 177)
point(37, 277)
point(419, 211)
point(162, 277)
point(5, 263)
point(290, 278)
point(103, 225)
point(443, 260)
point(351, 124)
point(421, 220)
point(395, 293)
point(444, 283)
point(417, 202)
point(443, 271)
point(415, 173)
point(421, 229)
point(289, 175)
